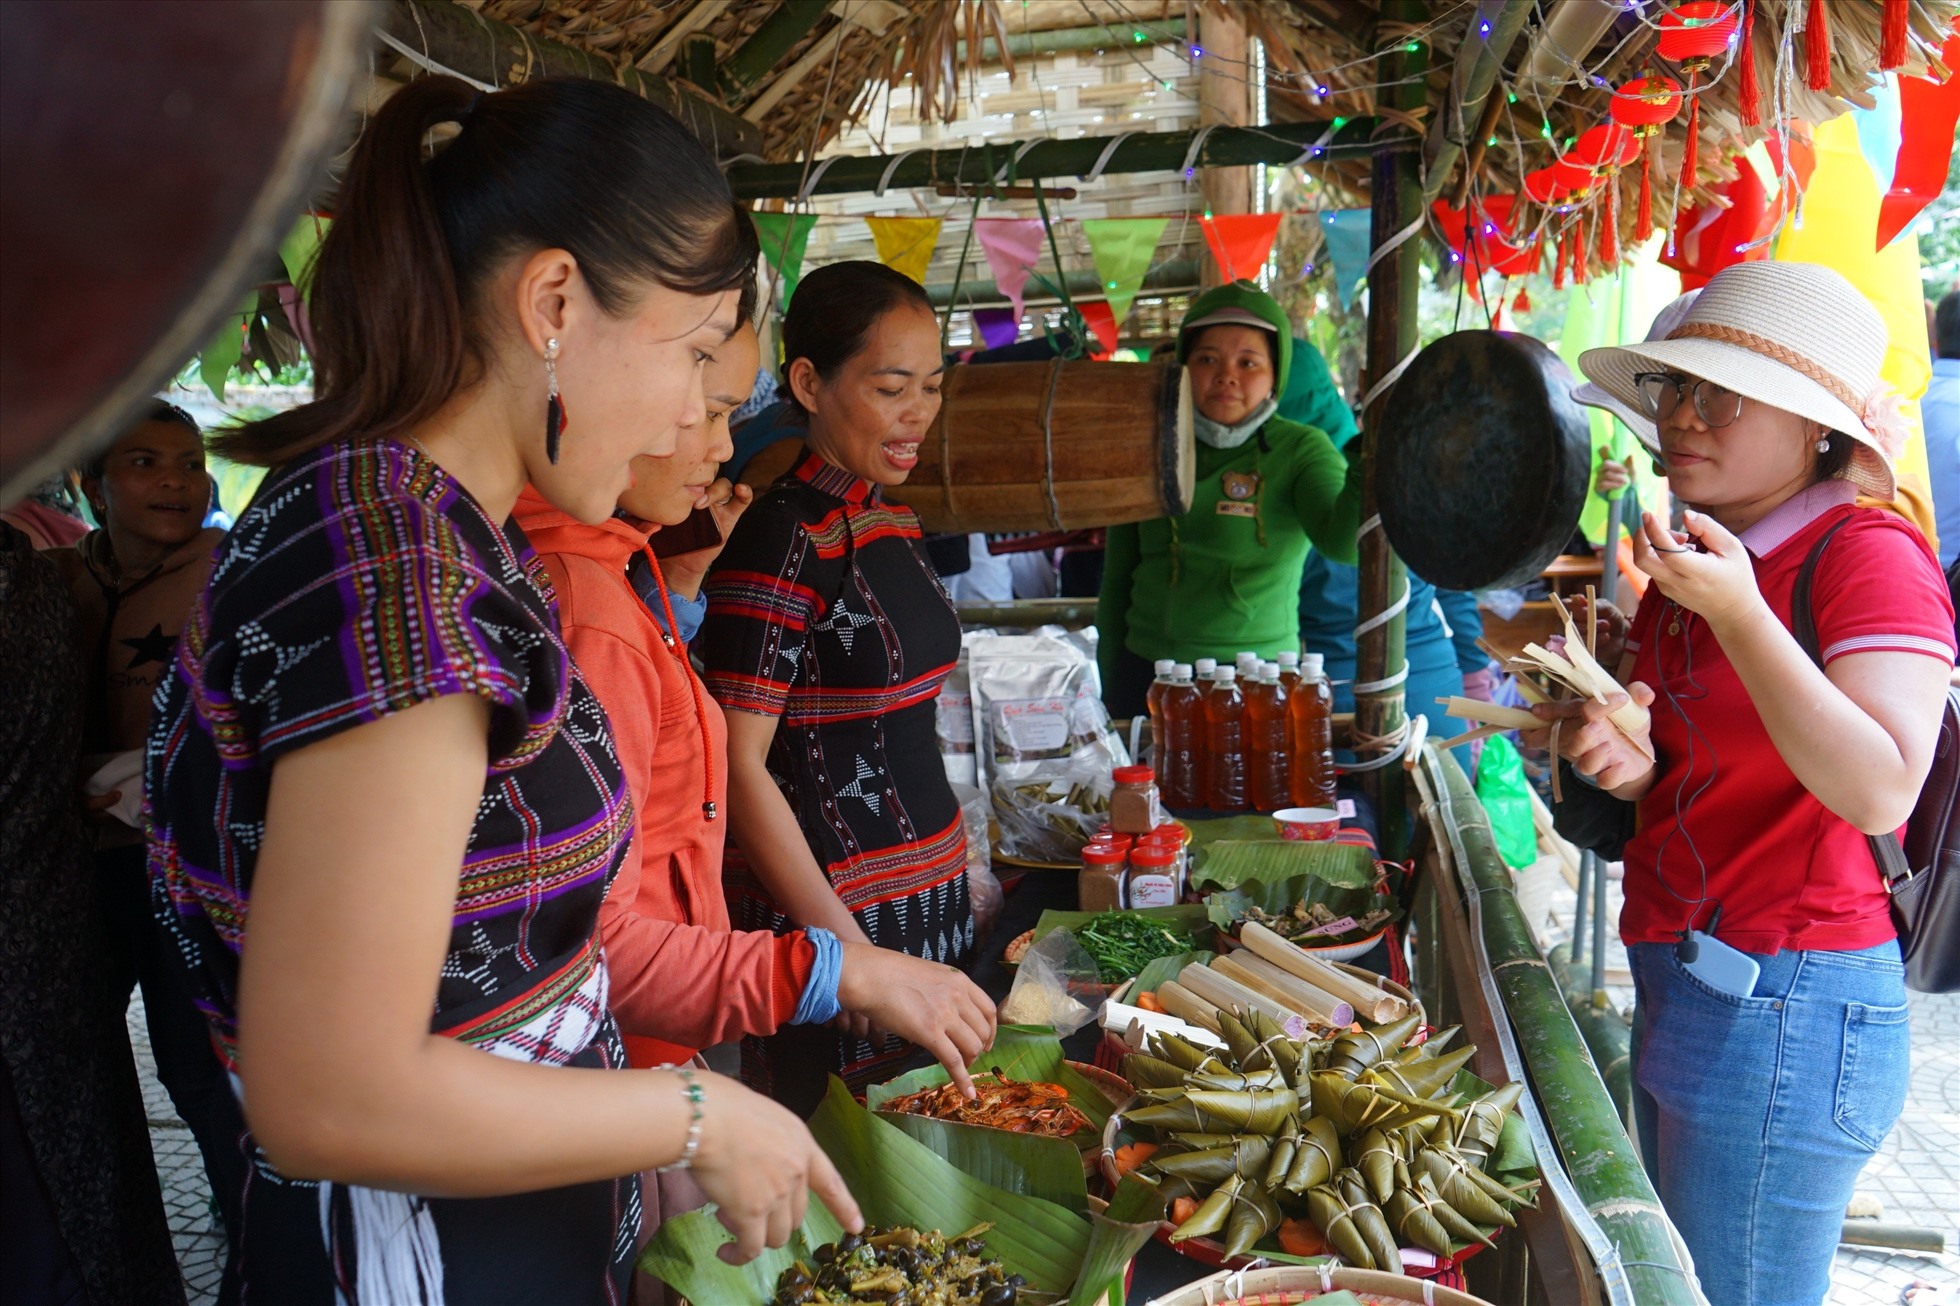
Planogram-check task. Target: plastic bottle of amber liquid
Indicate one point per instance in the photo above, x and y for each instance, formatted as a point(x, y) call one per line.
point(1311, 709)
point(1153, 700)
point(1225, 740)
point(1266, 761)
point(1180, 749)
point(1201, 675)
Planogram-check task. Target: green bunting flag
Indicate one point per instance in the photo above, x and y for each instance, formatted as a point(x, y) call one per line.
point(784, 237)
point(1123, 249)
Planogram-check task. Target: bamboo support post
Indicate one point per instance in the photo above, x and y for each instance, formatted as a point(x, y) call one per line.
point(1381, 662)
point(1374, 1005)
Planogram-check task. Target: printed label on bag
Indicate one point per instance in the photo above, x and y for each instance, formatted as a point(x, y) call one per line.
point(1034, 725)
point(1345, 807)
point(1345, 925)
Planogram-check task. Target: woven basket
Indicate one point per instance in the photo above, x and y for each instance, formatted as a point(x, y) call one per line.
point(1288, 1285)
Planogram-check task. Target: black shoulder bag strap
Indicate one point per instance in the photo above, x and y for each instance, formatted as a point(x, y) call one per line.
point(1886, 851)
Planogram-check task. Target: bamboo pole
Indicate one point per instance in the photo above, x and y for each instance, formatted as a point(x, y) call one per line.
point(1380, 653)
point(1261, 976)
point(1279, 143)
point(1467, 115)
point(1575, 1103)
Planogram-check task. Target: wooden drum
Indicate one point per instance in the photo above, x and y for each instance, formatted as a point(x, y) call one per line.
point(1055, 445)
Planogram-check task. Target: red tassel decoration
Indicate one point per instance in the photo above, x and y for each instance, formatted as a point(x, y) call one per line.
point(1564, 257)
point(1892, 33)
point(1749, 95)
point(1643, 217)
point(1817, 48)
point(1522, 304)
point(1609, 225)
point(1691, 149)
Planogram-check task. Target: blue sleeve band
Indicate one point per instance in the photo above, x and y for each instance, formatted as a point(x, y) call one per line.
point(689, 614)
point(819, 1002)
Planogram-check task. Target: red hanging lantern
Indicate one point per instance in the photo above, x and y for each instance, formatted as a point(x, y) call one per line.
point(1557, 184)
point(1604, 148)
point(1643, 106)
point(1694, 36)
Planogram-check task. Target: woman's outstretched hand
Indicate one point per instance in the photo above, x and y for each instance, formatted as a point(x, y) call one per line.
point(922, 1002)
point(758, 1164)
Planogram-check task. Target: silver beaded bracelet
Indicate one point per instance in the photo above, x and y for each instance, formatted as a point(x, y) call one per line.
point(694, 1094)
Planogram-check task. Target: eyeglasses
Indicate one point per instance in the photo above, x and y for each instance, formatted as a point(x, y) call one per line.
point(1661, 393)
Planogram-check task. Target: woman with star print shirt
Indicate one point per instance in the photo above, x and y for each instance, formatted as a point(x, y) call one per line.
point(826, 640)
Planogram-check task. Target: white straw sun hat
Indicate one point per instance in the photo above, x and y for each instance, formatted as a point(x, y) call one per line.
point(1795, 336)
point(1636, 421)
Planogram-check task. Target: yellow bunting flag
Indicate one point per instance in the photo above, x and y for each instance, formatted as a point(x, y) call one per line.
point(905, 244)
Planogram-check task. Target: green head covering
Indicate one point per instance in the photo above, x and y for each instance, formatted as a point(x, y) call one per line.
point(1248, 302)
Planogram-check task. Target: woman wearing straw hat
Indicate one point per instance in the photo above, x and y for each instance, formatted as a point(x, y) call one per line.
point(1770, 1037)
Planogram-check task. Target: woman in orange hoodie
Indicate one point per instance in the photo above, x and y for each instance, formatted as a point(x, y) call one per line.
point(681, 979)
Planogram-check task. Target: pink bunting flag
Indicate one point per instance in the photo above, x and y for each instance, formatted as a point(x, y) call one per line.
point(1013, 247)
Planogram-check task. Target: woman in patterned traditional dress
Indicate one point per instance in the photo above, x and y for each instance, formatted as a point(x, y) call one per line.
point(375, 762)
point(827, 637)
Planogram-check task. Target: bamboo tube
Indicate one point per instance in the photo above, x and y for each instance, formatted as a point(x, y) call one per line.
point(1490, 714)
point(1227, 994)
point(1374, 1005)
point(1186, 1005)
point(1262, 976)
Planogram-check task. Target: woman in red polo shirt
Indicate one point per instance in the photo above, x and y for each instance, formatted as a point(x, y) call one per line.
point(1770, 1037)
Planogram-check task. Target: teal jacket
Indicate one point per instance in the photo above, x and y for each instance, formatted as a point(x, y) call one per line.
point(1224, 577)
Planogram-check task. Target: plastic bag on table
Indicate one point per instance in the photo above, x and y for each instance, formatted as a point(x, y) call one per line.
point(981, 885)
point(1501, 789)
point(1059, 984)
point(1037, 702)
point(1048, 813)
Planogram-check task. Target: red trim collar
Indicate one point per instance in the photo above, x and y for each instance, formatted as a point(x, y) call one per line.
point(820, 474)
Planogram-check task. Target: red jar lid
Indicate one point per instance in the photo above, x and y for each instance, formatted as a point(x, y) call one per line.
point(1171, 835)
point(1095, 855)
point(1153, 854)
point(1133, 775)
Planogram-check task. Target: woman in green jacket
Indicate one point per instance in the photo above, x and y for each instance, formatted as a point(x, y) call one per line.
point(1224, 578)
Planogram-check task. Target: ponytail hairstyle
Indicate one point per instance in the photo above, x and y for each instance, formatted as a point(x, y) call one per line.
point(834, 309)
point(397, 306)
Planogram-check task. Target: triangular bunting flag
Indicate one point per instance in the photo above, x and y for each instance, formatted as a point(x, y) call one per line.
point(997, 326)
point(1930, 110)
point(1241, 242)
point(1348, 244)
point(1123, 249)
point(1102, 322)
point(1013, 247)
point(905, 244)
point(784, 238)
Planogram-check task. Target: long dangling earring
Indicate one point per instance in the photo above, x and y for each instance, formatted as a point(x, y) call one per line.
point(554, 407)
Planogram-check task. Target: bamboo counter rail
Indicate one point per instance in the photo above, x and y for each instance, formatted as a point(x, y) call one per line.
point(1630, 1240)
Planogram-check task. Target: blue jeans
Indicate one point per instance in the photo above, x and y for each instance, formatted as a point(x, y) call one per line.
point(1756, 1114)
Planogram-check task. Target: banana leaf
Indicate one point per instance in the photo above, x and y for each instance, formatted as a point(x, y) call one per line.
point(1165, 968)
point(1020, 1052)
point(1047, 1168)
point(1232, 863)
point(1226, 907)
point(898, 1180)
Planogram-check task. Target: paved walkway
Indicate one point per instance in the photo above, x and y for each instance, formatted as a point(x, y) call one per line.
point(1916, 1177)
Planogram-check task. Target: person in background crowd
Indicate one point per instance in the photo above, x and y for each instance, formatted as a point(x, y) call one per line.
point(1441, 627)
point(826, 641)
point(385, 807)
point(81, 1216)
point(133, 583)
point(1224, 578)
point(1770, 1037)
point(49, 517)
point(1939, 412)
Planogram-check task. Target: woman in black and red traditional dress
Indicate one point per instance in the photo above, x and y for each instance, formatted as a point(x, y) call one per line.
point(827, 637)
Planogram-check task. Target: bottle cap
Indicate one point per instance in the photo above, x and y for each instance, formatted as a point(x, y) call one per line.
point(1269, 673)
point(1101, 855)
point(1313, 664)
point(1153, 856)
point(1288, 658)
point(1163, 667)
point(1182, 671)
point(1133, 775)
point(1170, 832)
point(1246, 662)
point(1205, 666)
point(1224, 675)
